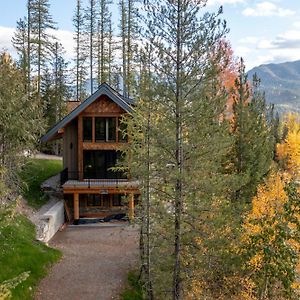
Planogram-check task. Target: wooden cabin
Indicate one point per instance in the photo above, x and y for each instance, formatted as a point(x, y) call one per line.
point(92, 138)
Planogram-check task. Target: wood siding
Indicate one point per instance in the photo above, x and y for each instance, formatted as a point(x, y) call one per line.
point(103, 106)
point(70, 147)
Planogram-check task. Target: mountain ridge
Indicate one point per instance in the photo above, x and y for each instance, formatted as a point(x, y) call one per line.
point(281, 84)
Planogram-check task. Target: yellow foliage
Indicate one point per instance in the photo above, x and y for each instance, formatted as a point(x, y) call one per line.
point(270, 198)
point(268, 212)
point(289, 150)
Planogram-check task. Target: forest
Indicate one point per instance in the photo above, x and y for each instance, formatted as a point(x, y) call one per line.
point(218, 168)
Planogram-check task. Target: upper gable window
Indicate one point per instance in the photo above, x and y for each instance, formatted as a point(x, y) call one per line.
point(87, 129)
point(105, 129)
point(100, 129)
point(111, 129)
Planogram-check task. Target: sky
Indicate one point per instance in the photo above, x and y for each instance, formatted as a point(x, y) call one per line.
point(261, 31)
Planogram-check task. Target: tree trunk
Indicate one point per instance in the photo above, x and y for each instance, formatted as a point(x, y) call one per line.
point(28, 48)
point(178, 187)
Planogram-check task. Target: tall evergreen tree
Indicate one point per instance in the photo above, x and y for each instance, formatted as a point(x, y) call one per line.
point(254, 141)
point(22, 43)
point(29, 25)
point(186, 132)
point(55, 92)
point(91, 17)
point(19, 41)
point(80, 59)
point(103, 42)
point(42, 42)
point(124, 17)
point(129, 35)
point(111, 50)
point(20, 120)
point(61, 80)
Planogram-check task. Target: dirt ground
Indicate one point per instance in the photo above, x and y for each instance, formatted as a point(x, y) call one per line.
point(95, 263)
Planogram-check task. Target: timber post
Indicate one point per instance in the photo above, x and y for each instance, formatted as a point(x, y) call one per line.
point(76, 208)
point(131, 207)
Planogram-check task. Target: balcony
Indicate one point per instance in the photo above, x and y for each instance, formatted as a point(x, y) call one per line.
point(71, 180)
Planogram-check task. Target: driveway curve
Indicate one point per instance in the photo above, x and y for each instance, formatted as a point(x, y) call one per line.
point(95, 263)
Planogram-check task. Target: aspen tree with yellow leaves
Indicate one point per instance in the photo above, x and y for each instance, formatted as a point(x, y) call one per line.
point(272, 228)
point(271, 238)
point(288, 152)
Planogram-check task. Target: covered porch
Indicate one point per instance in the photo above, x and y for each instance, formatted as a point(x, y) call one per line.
point(100, 198)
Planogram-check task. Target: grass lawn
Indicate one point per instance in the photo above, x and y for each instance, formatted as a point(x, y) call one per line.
point(20, 252)
point(33, 174)
point(134, 290)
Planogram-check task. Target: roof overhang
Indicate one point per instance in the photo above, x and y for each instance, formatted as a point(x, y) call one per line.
point(104, 89)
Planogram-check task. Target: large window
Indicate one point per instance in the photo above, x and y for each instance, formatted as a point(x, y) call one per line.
point(111, 129)
point(105, 129)
point(100, 128)
point(97, 164)
point(87, 129)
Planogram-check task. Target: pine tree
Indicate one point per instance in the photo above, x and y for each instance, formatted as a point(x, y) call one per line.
point(42, 42)
point(55, 91)
point(186, 131)
point(104, 42)
point(20, 120)
point(111, 50)
point(29, 25)
point(129, 35)
point(19, 41)
point(254, 143)
point(80, 60)
point(22, 43)
point(62, 91)
point(123, 23)
point(91, 17)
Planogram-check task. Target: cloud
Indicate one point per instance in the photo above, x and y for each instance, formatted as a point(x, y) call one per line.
point(242, 51)
point(283, 47)
point(249, 40)
point(64, 37)
point(6, 34)
point(222, 2)
point(267, 9)
point(296, 24)
point(287, 40)
point(282, 55)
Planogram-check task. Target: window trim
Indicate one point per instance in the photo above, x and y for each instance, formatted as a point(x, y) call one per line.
point(83, 129)
point(106, 140)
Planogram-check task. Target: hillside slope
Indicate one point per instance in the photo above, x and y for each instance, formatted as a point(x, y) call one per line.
point(281, 83)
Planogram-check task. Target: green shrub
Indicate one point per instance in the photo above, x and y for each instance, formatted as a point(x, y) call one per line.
point(135, 290)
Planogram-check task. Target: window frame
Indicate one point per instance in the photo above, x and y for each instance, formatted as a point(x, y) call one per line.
point(112, 135)
point(84, 131)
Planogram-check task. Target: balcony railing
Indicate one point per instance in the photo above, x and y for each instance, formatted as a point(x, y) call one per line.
point(90, 178)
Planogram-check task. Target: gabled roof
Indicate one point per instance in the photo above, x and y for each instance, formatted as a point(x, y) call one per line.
point(104, 89)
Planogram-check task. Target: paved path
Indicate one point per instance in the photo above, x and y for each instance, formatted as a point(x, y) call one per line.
point(94, 266)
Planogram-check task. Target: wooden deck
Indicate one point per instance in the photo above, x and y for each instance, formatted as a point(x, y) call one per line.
point(101, 184)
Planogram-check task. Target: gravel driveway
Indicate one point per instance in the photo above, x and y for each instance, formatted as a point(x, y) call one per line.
point(95, 263)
